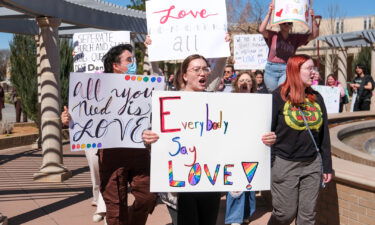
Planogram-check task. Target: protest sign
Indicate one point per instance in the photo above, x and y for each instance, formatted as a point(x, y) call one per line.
point(210, 142)
point(90, 47)
point(331, 97)
point(250, 52)
point(291, 11)
point(110, 110)
point(179, 28)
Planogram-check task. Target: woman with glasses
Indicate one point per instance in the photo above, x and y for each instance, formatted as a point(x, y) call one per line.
point(282, 45)
point(240, 206)
point(196, 208)
point(301, 155)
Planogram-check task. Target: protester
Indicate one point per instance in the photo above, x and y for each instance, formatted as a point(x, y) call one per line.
point(301, 155)
point(244, 83)
point(261, 86)
point(17, 101)
point(362, 86)
point(93, 162)
point(3, 219)
point(333, 82)
point(282, 45)
point(229, 74)
point(240, 206)
point(196, 208)
point(120, 166)
point(2, 98)
point(317, 79)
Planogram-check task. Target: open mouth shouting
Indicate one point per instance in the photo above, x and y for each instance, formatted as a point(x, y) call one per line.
point(244, 88)
point(202, 81)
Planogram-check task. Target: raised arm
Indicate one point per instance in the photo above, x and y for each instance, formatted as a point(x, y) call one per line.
point(314, 28)
point(263, 25)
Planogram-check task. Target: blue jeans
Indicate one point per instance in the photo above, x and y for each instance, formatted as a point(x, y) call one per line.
point(240, 208)
point(274, 75)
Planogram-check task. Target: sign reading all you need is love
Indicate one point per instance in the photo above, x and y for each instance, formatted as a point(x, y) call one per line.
point(179, 28)
point(110, 110)
point(208, 142)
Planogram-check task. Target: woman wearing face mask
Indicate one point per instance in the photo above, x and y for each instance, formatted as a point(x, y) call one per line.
point(301, 155)
point(240, 206)
point(196, 208)
point(119, 168)
point(282, 45)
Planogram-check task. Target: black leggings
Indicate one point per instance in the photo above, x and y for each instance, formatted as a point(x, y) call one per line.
point(198, 208)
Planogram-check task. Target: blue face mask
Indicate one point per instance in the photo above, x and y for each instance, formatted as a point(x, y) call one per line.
point(132, 67)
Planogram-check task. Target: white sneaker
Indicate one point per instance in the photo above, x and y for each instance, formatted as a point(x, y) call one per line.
point(97, 217)
point(3, 220)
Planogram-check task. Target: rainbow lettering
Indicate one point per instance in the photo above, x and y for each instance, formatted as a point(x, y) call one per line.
point(249, 168)
point(172, 182)
point(212, 180)
point(195, 174)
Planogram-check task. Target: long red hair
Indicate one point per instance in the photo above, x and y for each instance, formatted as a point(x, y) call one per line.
point(293, 89)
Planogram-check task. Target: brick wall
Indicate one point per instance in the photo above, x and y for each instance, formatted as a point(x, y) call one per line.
point(345, 204)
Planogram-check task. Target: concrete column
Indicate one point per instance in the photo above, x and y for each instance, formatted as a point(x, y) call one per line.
point(52, 169)
point(373, 61)
point(342, 65)
point(328, 64)
point(38, 142)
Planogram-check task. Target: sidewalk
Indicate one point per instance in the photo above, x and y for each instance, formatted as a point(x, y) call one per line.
point(24, 201)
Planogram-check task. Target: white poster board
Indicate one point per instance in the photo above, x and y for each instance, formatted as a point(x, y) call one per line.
point(179, 28)
point(110, 110)
point(210, 142)
point(331, 97)
point(90, 47)
point(292, 11)
point(250, 52)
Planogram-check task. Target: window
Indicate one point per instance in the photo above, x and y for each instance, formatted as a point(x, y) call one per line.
point(367, 23)
point(339, 27)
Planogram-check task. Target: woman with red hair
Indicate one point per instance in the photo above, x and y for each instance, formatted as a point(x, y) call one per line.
point(301, 155)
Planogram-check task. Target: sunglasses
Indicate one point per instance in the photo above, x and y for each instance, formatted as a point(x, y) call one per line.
point(288, 23)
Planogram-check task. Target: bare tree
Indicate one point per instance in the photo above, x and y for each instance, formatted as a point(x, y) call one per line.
point(245, 15)
point(335, 25)
point(4, 59)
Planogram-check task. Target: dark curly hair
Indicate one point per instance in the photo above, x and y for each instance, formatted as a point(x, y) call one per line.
point(113, 56)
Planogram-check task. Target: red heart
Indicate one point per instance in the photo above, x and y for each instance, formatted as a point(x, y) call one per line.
point(278, 14)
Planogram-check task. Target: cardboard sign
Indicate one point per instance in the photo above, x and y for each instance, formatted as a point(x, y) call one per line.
point(89, 49)
point(110, 110)
point(210, 142)
point(179, 28)
point(331, 97)
point(292, 11)
point(250, 52)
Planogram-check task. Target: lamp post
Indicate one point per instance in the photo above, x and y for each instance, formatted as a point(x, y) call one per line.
point(318, 19)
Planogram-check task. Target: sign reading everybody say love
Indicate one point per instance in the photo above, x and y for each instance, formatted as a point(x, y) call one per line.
point(250, 52)
point(110, 110)
point(90, 47)
point(179, 28)
point(209, 142)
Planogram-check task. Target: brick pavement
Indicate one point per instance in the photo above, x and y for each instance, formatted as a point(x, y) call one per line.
point(24, 201)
